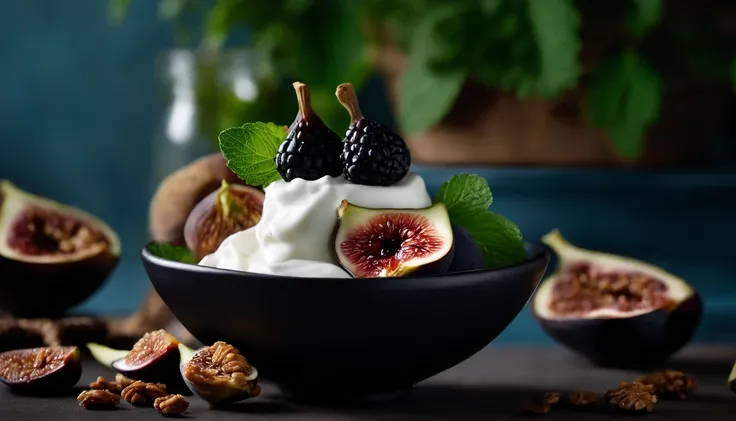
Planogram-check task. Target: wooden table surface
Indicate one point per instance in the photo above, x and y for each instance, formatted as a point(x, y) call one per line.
point(492, 385)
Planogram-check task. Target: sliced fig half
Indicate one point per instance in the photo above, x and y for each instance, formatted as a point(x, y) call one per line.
point(229, 209)
point(219, 374)
point(154, 358)
point(615, 310)
point(393, 242)
point(52, 256)
point(41, 370)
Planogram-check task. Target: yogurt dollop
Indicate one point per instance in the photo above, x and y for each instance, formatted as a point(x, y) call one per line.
point(294, 236)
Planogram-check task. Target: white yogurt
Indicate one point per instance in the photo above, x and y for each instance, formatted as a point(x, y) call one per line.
point(294, 236)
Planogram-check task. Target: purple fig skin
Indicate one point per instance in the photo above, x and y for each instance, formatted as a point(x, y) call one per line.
point(467, 253)
point(640, 341)
point(163, 369)
point(206, 208)
point(58, 381)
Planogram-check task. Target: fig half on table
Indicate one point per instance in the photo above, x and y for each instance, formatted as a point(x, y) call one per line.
point(41, 370)
point(52, 256)
point(615, 310)
point(154, 358)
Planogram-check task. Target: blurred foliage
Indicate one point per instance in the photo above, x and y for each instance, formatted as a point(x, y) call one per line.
point(530, 47)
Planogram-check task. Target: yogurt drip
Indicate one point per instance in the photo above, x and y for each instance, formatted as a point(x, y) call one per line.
point(294, 235)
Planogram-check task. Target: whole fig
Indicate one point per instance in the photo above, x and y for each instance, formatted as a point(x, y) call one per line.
point(230, 209)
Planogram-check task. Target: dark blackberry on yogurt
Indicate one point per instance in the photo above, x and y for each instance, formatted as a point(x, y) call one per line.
point(311, 150)
point(372, 154)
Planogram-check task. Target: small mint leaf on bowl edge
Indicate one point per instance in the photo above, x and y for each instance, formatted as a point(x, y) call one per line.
point(250, 150)
point(464, 195)
point(467, 198)
point(172, 252)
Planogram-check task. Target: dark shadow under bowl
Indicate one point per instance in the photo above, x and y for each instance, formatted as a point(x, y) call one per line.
point(337, 337)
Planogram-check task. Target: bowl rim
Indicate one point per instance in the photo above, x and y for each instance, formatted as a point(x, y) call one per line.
point(538, 253)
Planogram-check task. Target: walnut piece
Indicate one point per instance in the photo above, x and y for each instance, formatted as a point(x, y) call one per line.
point(583, 398)
point(141, 394)
point(97, 399)
point(537, 408)
point(635, 401)
point(103, 384)
point(552, 397)
point(123, 381)
point(634, 396)
point(171, 404)
point(670, 384)
point(625, 388)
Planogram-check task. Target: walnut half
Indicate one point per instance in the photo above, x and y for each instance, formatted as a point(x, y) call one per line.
point(141, 394)
point(171, 404)
point(97, 399)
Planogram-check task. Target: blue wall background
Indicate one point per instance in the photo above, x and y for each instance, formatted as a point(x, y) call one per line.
point(79, 107)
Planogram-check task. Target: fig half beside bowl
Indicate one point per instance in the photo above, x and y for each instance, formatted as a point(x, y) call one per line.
point(52, 256)
point(614, 310)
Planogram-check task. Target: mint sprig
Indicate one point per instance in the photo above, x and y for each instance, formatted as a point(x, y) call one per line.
point(467, 198)
point(250, 150)
point(172, 252)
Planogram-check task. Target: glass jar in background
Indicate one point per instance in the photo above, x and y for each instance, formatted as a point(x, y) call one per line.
point(206, 92)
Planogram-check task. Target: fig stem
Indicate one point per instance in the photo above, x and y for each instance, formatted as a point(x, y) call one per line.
point(345, 93)
point(555, 240)
point(341, 209)
point(303, 95)
point(225, 200)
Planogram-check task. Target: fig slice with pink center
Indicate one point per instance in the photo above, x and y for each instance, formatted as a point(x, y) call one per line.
point(393, 242)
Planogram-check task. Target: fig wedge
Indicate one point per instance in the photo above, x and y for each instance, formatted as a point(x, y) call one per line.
point(52, 256)
point(154, 358)
point(393, 242)
point(219, 374)
point(615, 310)
point(41, 370)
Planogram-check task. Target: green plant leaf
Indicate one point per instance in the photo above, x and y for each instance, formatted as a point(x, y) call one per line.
point(465, 195)
point(426, 95)
point(644, 15)
point(170, 9)
point(250, 150)
point(555, 25)
point(733, 74)
point(172, 252)
point(498, 238)
point(117, 11)
point(625, 99)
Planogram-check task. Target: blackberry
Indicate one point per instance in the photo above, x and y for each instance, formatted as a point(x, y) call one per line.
point(372, 154)
point(311, 150)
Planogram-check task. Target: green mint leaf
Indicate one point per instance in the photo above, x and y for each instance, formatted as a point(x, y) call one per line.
point(498, 238)
point(625, 98)
point(172, 252)
point(733, 74)
point(250, 150)
point(555, 25)
point(465, 195)
point(426, 94)
point(644, 15)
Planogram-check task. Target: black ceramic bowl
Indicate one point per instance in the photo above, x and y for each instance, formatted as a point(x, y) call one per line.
point(317, 337)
